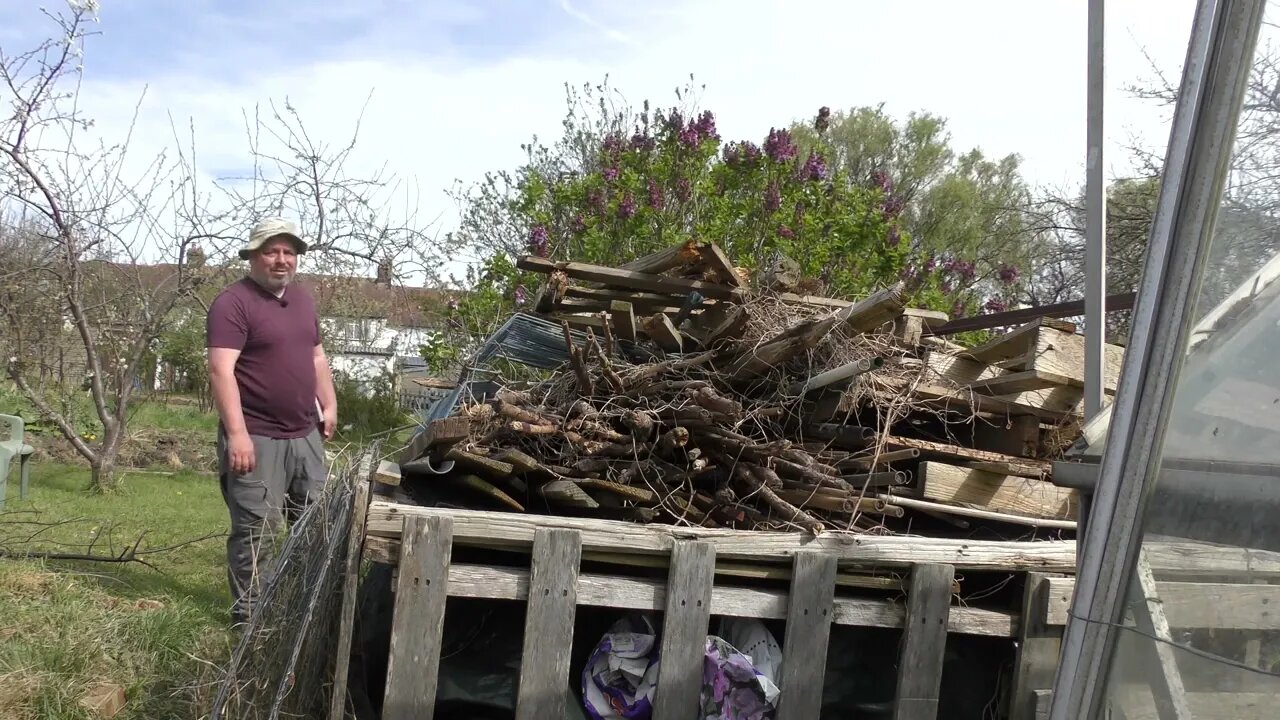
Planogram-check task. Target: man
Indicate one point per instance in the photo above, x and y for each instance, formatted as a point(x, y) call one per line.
point(273, 390)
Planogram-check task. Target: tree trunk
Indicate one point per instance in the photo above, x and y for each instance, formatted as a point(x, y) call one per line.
point(102, 467)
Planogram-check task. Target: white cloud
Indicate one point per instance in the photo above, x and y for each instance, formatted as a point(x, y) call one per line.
point(1009, 75)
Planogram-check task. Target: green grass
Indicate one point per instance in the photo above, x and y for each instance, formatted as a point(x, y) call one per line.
point(66, 625)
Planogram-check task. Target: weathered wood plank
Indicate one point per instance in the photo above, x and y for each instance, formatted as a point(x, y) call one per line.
point(548, 629)
point(1036, 659)
point(670, 258)
point(1025, 381)
point(1168, 690)
point(808, 629)
point(1062, 354)
point(421, 590)
point(388, 473)
point(931, 448)
point(505, 529)
point(686, 616)
point(347, 611)
point(640, 301)
point(620, 591)
point(623, 317)
point(714, 258)
point(924, 642)
point(949, 370)
point(930, 319)
point(1191, 605)
point(438, 433)
point(629, 278)
point(874, 310)
point(660, 328)
point(1001, 493)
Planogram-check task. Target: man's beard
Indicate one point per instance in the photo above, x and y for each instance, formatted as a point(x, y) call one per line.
point(272, 283)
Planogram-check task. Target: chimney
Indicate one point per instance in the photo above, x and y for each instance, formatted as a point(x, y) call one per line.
point(384, 273)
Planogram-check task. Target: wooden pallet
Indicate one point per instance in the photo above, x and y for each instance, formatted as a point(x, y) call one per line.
point(553, 587)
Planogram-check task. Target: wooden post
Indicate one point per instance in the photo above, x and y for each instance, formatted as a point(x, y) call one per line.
point(350, 581)
point(809, 614)
point(548, 627)
point(924, 642)
point(686, 615)
point(421, 591)
point(1036, 659)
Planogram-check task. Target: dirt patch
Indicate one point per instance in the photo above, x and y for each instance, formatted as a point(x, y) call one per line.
point(146, 448)
point(27, 583)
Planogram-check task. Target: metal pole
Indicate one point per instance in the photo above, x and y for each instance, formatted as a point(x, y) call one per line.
point(1223, 37)
point(1095, 262)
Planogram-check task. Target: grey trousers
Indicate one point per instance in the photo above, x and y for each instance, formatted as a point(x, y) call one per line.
point(288, 476)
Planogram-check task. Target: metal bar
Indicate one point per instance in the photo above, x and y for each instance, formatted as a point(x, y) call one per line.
point(1223, 37)
point(1123, 301)
point(1095, 261)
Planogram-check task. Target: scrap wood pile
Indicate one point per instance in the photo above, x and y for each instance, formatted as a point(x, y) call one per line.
point(693, 394)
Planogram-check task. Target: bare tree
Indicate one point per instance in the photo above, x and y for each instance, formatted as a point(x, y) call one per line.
point(93, 216)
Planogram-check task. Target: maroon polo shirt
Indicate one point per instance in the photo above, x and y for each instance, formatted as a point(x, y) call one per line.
point(276, 370)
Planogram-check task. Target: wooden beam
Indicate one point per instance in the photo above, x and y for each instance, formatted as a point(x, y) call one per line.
point(1017, 382)
point(809, 609)
point(1001, 493)
point(347, 610)
point(685, 621)
point(937, 449)
point(720, 265)
point(543, 688)
point(1037, 650)
point(629, 278)
point(1061, 354)
point(686, 253)
point(641, 301)
point(929, 319)
point(1190, 605)
point(505, 529)
point(649, 594)
point(664, 333)
point(421, 590)
point(1074, 308)
point(924, 643)
point(388, 473)
point(624, 320)
point(443, 432)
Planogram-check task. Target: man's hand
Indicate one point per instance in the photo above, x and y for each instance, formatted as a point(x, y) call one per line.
point(240, 453)
point(330, 421)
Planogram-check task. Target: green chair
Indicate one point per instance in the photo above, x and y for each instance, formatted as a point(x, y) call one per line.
point(12, 445)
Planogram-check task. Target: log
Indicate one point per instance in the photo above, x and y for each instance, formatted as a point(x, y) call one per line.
point(686, 253)
point(629, 279)
point(875, 310)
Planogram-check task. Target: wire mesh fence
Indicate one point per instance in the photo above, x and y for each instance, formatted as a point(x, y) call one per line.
point(284, 663)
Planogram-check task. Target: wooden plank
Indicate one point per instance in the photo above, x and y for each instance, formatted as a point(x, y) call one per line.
point(808, 629)
point(388, 473)
point(1062, 354)
point(929, 319)
point(1016, 345)
point(1019, 436)
point(958, 400)
point(1191, 605)
point(421, 589)
point(543, 690)
point(1017, 317)
point(874, 310)
point(347, 611)
point(714, 258)
point(924, 643)
point(814, 300)
point(1005, 468)
point(504, 529)
point(1017, 382)
point(1038, 648)
point(664, 333)
point(1136, 702)
point(686, 253)
point(908, 330)
point(685, 620)
point(624, 320)
point(620, 591)
point(1166, 678)
point(640, 301)
point(931, 448)
point(1001, 493)
point(438, 433)
point(629, 278)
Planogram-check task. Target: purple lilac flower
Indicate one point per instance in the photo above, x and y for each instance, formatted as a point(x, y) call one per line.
point(595, 198)
point(996, 305)
point(750, 153)
point(655, 195)
point(521, 295)
point(684, 190)
point(966, 269)
point(786, 232)
point(908, 273)
point(674, 122)
point(613, 145)
point(732, 154)
point(823, 121)
point(882, 181)
point(893, 206)
point(642, 142)
point(778, 145)
point(815, 167)
point(931, 264)
point(627, 207)
point(772, 198)
point(1008, 274)
point(578, 225)
point(689, 136)
point(894, 238)
point(706, 126)
point(610, 173)
point(538, 241)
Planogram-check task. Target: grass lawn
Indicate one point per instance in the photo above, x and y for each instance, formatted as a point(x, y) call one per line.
point(66, 626)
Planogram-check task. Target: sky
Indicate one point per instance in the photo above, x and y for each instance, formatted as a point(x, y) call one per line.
point(449, 89)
